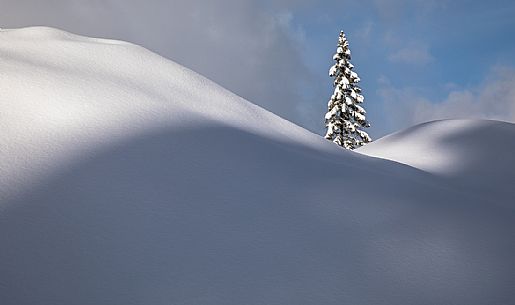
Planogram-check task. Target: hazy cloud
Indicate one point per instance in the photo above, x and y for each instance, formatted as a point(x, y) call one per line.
point(364, 31)
point(414, 54)
point(493, 99)
point(393, 11)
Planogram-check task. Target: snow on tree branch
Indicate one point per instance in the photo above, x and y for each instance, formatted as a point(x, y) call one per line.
point(345, 118)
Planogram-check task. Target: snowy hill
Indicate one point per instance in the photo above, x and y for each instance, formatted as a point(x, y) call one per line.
point(475, 155)
point(128, 179)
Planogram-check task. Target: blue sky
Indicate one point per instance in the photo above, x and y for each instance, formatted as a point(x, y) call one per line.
point(420, 50)
point(418, 60)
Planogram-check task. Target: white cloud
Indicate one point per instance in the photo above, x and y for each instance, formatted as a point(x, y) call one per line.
point(493, 99)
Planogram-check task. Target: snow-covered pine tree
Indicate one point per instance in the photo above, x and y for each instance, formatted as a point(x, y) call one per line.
point(345, 117)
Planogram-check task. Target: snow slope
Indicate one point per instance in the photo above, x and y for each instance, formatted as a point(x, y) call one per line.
point(474, 155)
point(128, 179)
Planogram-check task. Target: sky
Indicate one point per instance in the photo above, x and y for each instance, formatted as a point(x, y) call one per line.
point(419, 60)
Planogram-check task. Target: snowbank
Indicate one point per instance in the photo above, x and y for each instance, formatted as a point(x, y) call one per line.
point(477, 156)
point(128, 179)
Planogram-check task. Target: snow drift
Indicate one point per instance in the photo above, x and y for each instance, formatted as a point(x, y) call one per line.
point(128, 179)
point(474, 155)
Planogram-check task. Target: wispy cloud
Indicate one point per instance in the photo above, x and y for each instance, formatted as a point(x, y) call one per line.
point(494, 99)
point(364, 31)
point(393, 11)
point(414, 54)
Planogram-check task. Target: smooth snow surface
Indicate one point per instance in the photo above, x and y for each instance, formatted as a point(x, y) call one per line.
point(128, 179)
point(475, 155)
